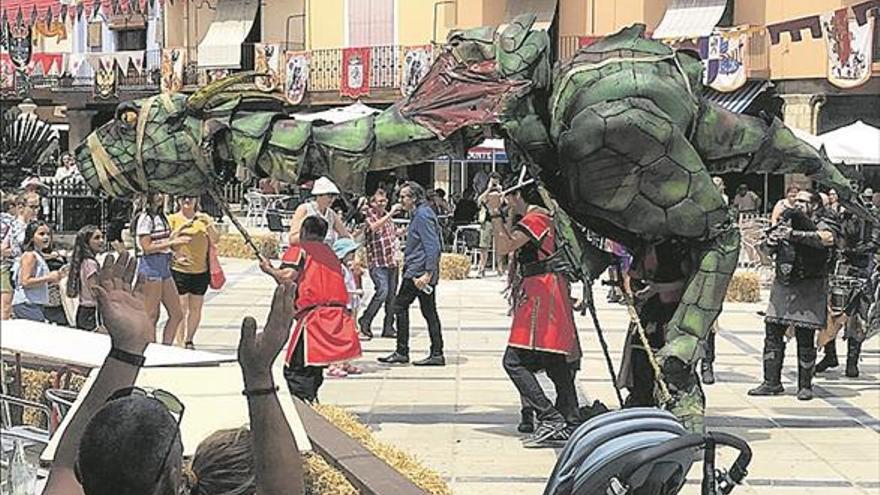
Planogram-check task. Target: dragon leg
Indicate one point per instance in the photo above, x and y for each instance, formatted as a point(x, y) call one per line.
point(691, 323)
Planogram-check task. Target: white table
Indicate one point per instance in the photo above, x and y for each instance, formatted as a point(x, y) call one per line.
point(88, 349)
point(212, 400)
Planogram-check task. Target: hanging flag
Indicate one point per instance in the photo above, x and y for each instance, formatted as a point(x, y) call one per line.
point(267, 60)
point(794, 28)
point(725, 61)
point(416, 64)
point(20, 47)
point(296, 76)
point(105, 79)
point(173, 60)
point(355, 72)
point(849, 48)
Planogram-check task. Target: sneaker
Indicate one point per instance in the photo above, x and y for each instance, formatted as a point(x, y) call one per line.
point(549, 435)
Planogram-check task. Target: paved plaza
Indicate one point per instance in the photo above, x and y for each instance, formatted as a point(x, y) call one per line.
point(461, 419)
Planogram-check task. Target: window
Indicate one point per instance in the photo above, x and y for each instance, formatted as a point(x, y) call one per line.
point(94, 37)
point(370, 22)
point(131, 39)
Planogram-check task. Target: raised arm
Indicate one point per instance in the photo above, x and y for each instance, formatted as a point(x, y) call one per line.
point(277, 462)
point(122, 310)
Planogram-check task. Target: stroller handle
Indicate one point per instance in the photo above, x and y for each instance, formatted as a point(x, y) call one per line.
point(737, 471)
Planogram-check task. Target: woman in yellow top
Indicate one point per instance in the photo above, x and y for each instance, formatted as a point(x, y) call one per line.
point(190, 264)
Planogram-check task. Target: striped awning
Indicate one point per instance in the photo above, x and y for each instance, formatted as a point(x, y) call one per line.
point(690, 18)
point(221, 46)
point(737, 101)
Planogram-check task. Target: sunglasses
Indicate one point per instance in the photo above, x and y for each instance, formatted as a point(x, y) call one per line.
point(171, 403)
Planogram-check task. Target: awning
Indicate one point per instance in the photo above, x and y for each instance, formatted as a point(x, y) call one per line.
point(221, 46)
point(544, 10)
point(737, 101)
point(690, 18)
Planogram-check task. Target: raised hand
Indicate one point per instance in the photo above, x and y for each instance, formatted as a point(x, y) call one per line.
point(257, 352)
point(121, 306)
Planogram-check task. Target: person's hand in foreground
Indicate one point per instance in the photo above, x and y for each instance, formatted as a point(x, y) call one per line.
point(122, 310)
point(277, 460)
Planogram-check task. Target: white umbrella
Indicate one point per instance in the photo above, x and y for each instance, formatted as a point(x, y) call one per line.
point(857, 143)
point(339, 114)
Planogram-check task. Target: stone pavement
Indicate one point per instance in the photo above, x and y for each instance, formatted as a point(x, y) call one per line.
point(460, 420)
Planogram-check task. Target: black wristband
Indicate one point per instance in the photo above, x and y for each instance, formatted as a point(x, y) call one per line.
point(127, 357)
point(260, 391)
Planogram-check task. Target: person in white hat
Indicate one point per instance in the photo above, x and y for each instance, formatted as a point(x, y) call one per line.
point(324, 193)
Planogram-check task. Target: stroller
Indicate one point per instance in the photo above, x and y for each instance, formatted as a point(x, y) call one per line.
point(641, 451)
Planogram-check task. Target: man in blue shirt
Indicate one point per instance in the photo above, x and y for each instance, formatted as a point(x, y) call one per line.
point(421, 270)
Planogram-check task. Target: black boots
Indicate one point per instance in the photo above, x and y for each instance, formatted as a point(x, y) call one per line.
point(526, 421)
point(854, 348)
point(829, 360)
point(707, 364)
point(806, 362)
point(774, 352)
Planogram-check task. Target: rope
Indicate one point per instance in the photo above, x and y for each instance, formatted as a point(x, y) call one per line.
point(143, 115)
point(665, 397)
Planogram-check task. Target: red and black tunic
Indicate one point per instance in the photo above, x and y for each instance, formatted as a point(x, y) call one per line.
point(328, 330)
point(543, 319)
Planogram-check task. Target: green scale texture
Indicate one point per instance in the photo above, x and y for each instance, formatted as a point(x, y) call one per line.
point(618, 135)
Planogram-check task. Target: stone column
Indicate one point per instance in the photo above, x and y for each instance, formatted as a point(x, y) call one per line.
point(80, 121)
point(801, 111)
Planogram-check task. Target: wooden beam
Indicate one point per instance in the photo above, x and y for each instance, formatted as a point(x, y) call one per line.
point(369, 474)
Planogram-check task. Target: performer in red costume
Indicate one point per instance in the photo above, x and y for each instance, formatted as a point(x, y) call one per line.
point(543, 335)
point(324, 332)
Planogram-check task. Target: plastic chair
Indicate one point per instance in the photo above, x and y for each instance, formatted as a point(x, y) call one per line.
point(257, 205)
point(275, 222)
point(61, 401)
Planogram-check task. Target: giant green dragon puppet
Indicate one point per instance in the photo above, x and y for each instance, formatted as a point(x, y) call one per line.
point(618, 135)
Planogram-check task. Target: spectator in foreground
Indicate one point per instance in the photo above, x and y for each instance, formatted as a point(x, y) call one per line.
point(95, 454)
point(83, 266)
point(421, 271)
point(746, 201)
point(223, 464)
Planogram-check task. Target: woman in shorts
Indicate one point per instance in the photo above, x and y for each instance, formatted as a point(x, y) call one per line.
point(189, 268)
point(155, 241)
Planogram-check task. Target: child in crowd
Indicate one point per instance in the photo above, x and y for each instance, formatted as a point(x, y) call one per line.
point(345, 250)
point(83, 266)
point(324, 332)
point(32, 275)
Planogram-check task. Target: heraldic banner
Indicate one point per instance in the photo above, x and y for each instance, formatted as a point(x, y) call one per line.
point(267, 60)
point(173, 62)
point(296, 76)
point(725, 61)
point(415, 66)
point(105, 78)
point(355, 72)
point(849, 48)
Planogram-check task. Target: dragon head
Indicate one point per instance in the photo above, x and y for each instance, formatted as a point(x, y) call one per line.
point(157, 143)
